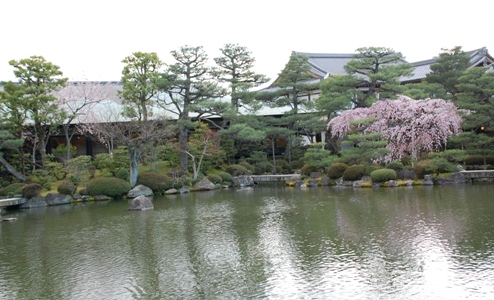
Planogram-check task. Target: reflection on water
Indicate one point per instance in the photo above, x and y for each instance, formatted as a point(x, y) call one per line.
point(271, 242)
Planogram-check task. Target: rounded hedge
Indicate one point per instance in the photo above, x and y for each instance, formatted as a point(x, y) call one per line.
point(225, 176)
point(215, 178)
point(337, 170)
point(108, 186)
point(12, 189)
point(355, 172)
point(66, 188)
point(31, 190)
point(383, 175)
point(155, 181)
point(307, 169)
point(237, 170)
point(395, 165)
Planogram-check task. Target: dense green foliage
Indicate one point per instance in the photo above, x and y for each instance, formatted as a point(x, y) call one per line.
point(108, 186)
point(214, 178)
point(12, 189)
point(226, 177)
point(355, 172)
point(66, 188)
point(307, 169)
point(237, 170)
point(336, 170)
point(395, 165)
point(383, 175)
point(158, 182)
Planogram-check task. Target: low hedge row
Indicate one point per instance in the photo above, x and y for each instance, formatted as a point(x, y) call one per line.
point(383, 175)
point(108, 186)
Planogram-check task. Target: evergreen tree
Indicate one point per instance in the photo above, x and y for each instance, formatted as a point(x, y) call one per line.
point(32, 98)
point(476, 98)
point(190, 93)
point(447, 70)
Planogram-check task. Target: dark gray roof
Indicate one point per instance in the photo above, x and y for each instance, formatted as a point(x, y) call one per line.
point(422, 68)
point(324, 64)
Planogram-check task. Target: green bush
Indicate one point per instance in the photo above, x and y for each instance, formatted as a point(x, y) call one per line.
point(355, 172)
point(395, 165)
point(265, 166)
point(42, 177)
point(337, 170)
point(92, 171)
point(237, 170)
point(215, 178)
point(370, 169)
point(419, 171)
point(383, 175)
point(12, 189)
point(155, 181)
point(282, 166)
point(31, 190)
point(307, 169)
point(247, 166)
point(226, 177)
point(123, 174)
point(108, 186)
point(66, 188)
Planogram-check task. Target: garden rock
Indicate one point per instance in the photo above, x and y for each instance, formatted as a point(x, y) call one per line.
point(313, 183)
point(141, 203)
point(392, 183)
point(427, 180)
point(102, 198)
point(204, 184)
point(34, 202)
point(325, 181)
point(140, 190)
point(243, 181)
point(171, 191)
point(57, 199)
point(458, 178)
point(184, 190)
point(299, 183)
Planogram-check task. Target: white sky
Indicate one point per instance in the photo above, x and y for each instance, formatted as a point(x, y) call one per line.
point(88, 39)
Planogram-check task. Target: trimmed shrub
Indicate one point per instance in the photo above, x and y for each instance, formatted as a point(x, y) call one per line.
point(108, 186)
point(92, 171)
point(31, 190)
point(282, 166)
point(337, 170)
point(265, 166)
point(395, 165)
point(12, 189)
point(215, 178)
point(307, 169)
point(155, 181)
point(383, 175)
point(247, 166)
point(66, 188)
point(237, 170)
point(123, 174)
point(419, 171)
point(225, 176)
point(355, 172)
point(370, 169)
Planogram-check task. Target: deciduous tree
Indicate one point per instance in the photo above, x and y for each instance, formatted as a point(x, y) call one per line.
point(409, 126)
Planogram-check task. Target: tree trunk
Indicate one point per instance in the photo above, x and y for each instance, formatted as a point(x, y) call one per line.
point(274, 156)
point(182, 141)
point(12, 171)
point(134, 167)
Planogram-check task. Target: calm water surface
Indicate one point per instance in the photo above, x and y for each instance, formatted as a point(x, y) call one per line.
point(270, 242)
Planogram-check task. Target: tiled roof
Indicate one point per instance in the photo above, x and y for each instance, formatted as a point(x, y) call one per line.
point(324, 64)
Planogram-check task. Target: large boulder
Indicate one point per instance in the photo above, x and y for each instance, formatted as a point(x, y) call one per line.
point(140, 190)
point(57, 199)
point(171, 191)
point(204, 184)
point(184, 190)
point(243, 181)
point(33, 202)
point(141, 203)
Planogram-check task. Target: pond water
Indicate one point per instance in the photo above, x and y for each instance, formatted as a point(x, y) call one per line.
point(270, 242)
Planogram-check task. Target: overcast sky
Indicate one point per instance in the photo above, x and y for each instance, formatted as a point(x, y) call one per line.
point(88, 39)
